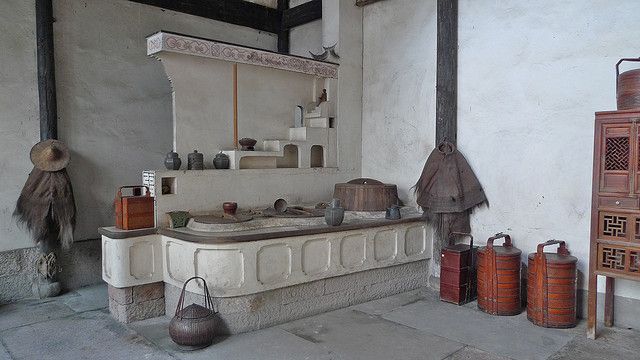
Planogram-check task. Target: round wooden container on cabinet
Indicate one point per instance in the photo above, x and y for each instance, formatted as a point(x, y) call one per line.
point(551, 287)
point(499, 277)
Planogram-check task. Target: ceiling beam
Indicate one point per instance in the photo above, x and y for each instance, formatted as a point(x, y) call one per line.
point(302, 14)
point(283, 34)
point(236, 12)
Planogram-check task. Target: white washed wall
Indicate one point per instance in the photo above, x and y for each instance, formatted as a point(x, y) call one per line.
point(399, 61)
point(531, 75)
point(114, 102)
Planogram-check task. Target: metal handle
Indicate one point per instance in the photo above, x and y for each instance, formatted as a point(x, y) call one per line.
point(507, 240)
point(463, 234)
point(208, 303)
point(147, 193)
point(618, 66)
point(562, 249)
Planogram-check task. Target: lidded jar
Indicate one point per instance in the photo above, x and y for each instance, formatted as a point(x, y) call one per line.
point(221, 161)
point(195, 161)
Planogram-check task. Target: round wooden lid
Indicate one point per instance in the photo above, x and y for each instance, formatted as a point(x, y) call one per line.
point(556, 258)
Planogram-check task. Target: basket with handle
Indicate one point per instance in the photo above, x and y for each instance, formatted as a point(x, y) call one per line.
point(195, 325)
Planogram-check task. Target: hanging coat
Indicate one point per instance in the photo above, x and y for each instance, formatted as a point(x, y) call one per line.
point(447, 191)
point(447, 183)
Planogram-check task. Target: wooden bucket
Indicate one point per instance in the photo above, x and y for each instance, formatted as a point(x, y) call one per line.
point(551, 287)
point(628, 87)
point(365, 194)
point(499, 277)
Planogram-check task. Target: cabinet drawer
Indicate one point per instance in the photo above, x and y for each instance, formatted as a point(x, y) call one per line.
point(618, 202)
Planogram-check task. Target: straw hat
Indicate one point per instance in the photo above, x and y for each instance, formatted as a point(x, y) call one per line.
point(50, 155)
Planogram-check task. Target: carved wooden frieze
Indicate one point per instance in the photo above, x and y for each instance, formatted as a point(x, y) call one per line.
point(164, 41)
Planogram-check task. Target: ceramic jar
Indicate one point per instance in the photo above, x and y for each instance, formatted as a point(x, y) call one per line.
point(334, 214)
point(195, 161)
point(230, 207)
point(221, 161)
point(172, 161)
point(393, 213)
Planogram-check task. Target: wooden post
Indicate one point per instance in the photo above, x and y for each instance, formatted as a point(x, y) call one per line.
point(283, 35)
point(46, 70)
point(235, 106)
point(608, 301)
point(447, 71)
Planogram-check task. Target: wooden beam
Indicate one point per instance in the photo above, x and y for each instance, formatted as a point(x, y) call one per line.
point(302, 14)
point(365, 2)
point(283, 35)
point(46, 70)
point(447, 71)
point(236, 12)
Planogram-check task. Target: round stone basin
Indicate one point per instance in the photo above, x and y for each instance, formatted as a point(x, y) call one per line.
point(283, 223)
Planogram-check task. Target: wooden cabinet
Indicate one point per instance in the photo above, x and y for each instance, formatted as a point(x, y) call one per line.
point(615, 209)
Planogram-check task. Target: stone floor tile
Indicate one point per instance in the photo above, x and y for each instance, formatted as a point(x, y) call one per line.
point(612, 343)
point(387, 304)
point(266, 344)
point(4, 354)
point(471, 353)
point(354, 335)
point(90, 335)
point(511, 336)
point(31, 312)
point(89, 298)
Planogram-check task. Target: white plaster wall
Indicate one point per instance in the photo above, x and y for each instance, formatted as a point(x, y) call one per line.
point(204, 103)
point(531, 75)
point(114, 101)
point(305, 38)
point(398, 91)
point(19, 124)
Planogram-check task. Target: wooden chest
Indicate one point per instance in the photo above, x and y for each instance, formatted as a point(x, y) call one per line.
point(457, 274)
point(135, 211)
point(551, 287)
point(499, 277)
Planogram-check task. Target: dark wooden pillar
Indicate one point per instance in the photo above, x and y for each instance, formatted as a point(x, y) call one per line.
point(283, 34)
point(46, 70)
point(447, 71)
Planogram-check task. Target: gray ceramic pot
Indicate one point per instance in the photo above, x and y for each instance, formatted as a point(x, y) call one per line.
point(172, 161)
point(221, 161)
point(334, 214)
point(195, 161)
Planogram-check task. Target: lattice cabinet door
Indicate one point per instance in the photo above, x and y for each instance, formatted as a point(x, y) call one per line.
point(617, 152)
point(616, 226)
point(619, 259)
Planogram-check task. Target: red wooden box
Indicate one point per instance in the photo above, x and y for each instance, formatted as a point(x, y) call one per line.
point(135, 211)
point(457, 274)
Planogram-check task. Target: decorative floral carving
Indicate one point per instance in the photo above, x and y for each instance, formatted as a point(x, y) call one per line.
point(235, 53)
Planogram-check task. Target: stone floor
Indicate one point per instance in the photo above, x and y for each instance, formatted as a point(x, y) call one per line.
point(412, 325)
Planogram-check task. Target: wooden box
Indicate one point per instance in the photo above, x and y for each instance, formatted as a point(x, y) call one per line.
point(457, 274)
point(135, 211)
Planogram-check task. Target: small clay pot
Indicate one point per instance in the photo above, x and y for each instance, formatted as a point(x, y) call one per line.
point(393, 213)
point(195, 161)
point(172, 161)
point(230, 207)
point(247, 144)
point(334, 214)
point(221, 161)
point(280, 205)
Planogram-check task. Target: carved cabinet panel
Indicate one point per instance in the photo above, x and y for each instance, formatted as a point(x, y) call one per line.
point(615, 236)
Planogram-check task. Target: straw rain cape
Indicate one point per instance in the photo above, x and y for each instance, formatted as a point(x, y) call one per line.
point(447, 191)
